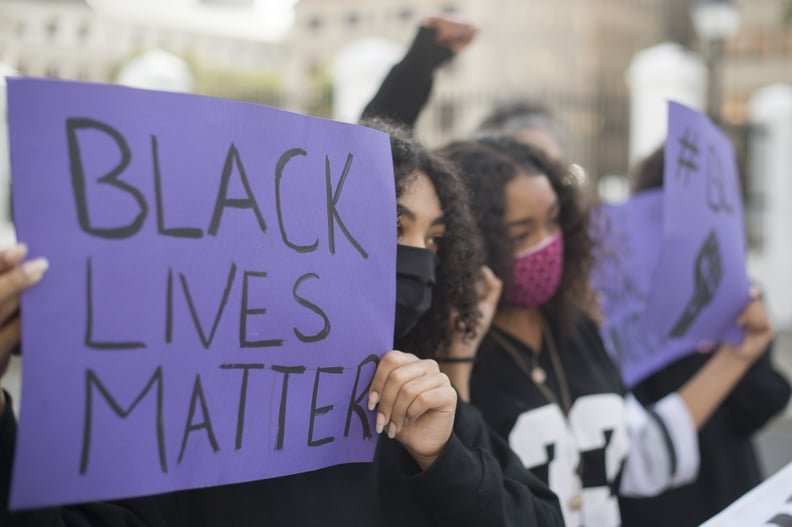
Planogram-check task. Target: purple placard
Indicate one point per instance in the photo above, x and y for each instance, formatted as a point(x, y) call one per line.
point(700, 283)
point(215, 303)
point(628, 239)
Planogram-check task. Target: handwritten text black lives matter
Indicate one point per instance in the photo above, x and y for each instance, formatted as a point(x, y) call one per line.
point(198, 415)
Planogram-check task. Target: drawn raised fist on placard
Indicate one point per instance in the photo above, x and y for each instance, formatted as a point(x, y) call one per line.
point(707, 275)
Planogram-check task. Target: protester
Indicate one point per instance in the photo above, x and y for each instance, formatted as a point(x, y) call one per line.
point(543, 378)
point(728, 467)
point(439, 465)
point(528, 122)
point(406, 88)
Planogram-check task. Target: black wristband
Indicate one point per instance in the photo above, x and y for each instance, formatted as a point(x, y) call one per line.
point(456, 359)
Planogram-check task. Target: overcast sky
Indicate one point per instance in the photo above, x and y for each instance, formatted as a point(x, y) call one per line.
point(267, 19)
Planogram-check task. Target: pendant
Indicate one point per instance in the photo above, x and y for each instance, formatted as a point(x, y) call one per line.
point(538, 375)
point(575, 502)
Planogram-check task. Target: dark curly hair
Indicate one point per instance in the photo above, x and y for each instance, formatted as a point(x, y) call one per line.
point(460, 250)
point(488, 164)
point(648, 174)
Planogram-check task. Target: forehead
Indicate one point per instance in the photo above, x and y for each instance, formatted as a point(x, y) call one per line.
point(419, 195)
point(528, 195)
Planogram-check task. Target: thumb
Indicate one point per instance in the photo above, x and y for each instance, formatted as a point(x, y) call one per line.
point(492, 285)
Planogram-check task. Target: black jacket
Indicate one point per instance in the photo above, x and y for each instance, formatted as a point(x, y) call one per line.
point(405, 90)
point(728, 463)
point(476, 481)
point(548, 441)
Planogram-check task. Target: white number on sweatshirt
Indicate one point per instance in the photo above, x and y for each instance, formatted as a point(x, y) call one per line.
point(545, 440)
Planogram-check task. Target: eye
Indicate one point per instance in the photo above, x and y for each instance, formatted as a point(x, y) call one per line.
point(433, 243)
point(520, 237)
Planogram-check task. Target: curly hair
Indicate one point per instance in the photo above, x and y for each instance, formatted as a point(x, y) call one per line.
point(454, 296)
point(648, 174)
point(488, 164)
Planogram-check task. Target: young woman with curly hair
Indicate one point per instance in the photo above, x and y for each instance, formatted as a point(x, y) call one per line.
point(437, 462)
point(454, 239)
point(543, 378)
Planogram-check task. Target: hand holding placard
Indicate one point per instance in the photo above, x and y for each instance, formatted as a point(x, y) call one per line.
point(15, 277)
point(415, 404)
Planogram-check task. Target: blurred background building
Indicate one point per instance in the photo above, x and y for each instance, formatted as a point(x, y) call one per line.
point(75, 40)
point(571, 54)
point(604, 67)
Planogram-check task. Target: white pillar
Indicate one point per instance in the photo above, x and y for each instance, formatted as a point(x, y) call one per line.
point(6, 229)
point(358, 70)
point(656, 75)
point(157, 70)
point(770, 114)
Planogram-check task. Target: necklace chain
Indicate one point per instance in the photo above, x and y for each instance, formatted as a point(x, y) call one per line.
point(576, 501)
point(529, 369)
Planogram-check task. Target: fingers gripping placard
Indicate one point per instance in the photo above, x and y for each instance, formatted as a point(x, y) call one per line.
point(221, 285)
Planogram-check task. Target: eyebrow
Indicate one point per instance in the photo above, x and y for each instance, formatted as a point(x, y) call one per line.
point(401, 210)
point(527, 222)
point(523, 222)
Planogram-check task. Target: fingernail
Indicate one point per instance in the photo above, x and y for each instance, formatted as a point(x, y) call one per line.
point(392, 430)
point(15, 253)
point(380, 423)
point(373, 400)
point(35, 269)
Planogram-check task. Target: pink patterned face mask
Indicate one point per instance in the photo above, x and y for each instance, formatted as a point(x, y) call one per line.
point(536, 273)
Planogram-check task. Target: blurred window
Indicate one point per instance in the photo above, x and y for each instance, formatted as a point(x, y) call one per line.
point(352, 19)
point(756, 188)
point(315, 23)
point(406, 14)
point(84, 31)
point(446, 116)
point(52, 28)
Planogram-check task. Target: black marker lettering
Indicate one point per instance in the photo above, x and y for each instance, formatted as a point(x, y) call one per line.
point(92, 380)
point(313, 307)
point(89, 315)
point(355, 400)
point(246, 311)
point(286, 371)
point(206, 423)
point(223, 201)
point(169, 308)
point(285, 158)
point(177, 232)
point(207, 341)
point(242, 396)
point(332, 203)
point(321, 410)
point(73, 125)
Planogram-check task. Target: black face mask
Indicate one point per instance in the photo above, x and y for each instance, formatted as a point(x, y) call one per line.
point(415, 277)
